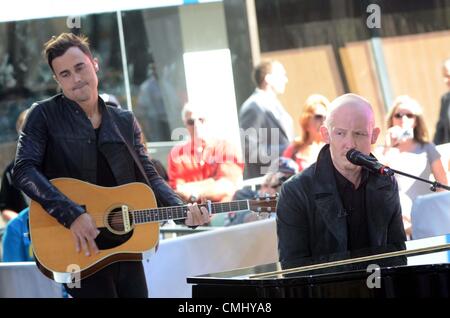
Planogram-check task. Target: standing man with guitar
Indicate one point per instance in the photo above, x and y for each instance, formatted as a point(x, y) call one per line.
point(74, 134)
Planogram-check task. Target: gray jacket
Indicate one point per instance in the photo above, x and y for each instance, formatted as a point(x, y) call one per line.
point(310, 216)
point(271, 136)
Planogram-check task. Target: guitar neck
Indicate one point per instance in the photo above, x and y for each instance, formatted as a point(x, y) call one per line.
point(180, 212)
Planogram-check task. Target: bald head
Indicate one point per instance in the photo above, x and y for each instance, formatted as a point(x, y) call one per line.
point(347, 104)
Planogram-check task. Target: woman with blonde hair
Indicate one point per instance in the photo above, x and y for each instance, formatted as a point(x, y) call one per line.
point(305, 148)
point(408, 149)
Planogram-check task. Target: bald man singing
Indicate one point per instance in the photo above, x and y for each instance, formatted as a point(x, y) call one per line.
point(334, 206)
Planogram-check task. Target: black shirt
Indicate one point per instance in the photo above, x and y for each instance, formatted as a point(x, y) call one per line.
point(354, 204)
point(105, 176)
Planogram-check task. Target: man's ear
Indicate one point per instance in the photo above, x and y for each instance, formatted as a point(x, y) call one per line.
point(375, 134)
point(325, 134)
point(95, 62)
point(56, 80)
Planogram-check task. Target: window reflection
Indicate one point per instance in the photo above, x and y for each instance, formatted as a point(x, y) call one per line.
point(154, 54)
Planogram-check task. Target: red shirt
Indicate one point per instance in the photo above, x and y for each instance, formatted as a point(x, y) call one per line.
point(289, 153)
point(217, 160)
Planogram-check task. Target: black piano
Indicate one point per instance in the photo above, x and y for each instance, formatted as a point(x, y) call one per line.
point(419, 269)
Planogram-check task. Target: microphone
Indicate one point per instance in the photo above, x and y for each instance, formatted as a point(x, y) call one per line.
point(358, 158)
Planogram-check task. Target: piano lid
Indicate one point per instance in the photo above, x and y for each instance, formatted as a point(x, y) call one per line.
point(427, 251)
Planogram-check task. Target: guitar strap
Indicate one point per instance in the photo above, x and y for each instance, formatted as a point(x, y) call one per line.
point(132, 153)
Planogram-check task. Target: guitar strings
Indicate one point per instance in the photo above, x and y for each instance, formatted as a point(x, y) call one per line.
point(117, 219)
point(147, 215)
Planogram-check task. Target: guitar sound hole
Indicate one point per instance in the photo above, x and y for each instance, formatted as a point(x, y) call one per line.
point(115, 220)
point(106, 239)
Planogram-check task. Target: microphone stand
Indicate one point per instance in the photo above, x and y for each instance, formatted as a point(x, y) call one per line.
point(434, 184)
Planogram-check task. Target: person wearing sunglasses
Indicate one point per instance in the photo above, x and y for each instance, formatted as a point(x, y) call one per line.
point(305, 148)
point(203, 168)
point(407, 148)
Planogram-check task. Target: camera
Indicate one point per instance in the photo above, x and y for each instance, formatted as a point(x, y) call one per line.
point(405, 134)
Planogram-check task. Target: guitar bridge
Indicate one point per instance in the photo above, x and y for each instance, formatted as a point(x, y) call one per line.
point(126, 219)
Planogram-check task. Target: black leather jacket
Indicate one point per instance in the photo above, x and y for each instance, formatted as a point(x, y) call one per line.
point(58, 140)
point(310, 218)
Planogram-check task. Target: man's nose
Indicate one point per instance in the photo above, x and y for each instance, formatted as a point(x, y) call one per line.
point(350, 141)
point(76, 77)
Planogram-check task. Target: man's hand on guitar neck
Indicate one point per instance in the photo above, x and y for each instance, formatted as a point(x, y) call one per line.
point(196, 216)
point(84, 233)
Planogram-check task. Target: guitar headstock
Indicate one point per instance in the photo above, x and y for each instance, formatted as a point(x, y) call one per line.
point(265, 204)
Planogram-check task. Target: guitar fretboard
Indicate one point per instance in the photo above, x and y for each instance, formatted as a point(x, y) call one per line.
point(180, 212)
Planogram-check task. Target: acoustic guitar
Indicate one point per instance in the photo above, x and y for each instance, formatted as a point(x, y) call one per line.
point(127, 217)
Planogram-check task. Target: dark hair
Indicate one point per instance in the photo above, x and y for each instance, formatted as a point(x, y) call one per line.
point(57, 46)
point(261, 71)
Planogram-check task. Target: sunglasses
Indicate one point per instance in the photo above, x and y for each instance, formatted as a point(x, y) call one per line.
point(319, 117)
point(400, 115)
point(191, 121)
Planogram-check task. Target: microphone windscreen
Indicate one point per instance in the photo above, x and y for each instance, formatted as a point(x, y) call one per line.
point(351, 155)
